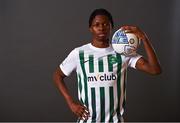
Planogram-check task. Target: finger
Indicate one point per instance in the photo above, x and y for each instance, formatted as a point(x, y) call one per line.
point(85, 109)
point(123, 28)
point(126, 27)
point(132, 29)
point(82, 118)
point(128, 31)
point(85, 113)
point(81, 112)
point(85, 117)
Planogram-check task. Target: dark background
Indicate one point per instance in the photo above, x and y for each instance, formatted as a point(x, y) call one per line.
point(36, 35)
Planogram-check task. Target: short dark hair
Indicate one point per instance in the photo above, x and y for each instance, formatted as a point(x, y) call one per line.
point(100, 11)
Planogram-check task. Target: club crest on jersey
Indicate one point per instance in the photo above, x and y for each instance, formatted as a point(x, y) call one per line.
point(103, 77)
point(113, 60)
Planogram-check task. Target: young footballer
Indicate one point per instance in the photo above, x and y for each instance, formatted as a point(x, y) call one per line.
point(101, 71)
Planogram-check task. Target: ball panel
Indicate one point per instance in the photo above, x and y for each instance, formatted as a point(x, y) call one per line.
point(132, 39)
point(119, 48)
point(125, 43)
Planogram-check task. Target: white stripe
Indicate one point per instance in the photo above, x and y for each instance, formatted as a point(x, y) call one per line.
point(79, 93)
point(90, 104)
point(115, 118)
point(101, 84)
point(115, 90)
point(105, 62)
point(107, 104)
point(96, 69)
point(98, 104)
point(83, 90)
point(123, 72)
point(122, 90)
point(86, 63)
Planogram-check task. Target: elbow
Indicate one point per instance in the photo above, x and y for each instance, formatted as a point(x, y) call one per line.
point(156, 71)
point(58, 76)
point(54, 76)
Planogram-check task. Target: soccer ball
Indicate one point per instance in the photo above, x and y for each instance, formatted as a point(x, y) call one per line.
point(124, 42)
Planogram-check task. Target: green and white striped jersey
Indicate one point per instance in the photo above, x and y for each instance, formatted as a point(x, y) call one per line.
point(101, 76)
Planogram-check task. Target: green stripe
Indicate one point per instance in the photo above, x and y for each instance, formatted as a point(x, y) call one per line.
point(111, 94)
point(102, 103)
point(79, 83)
point(110, 64)
point(81, 56)
point(80, 86)
point(119, 60)
point(91, 63)
point(100, 64)
point(93, 101)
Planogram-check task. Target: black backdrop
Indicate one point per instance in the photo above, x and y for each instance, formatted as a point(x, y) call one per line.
point(36, 35)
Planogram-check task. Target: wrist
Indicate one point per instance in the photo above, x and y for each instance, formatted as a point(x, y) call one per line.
point(69, 100)
point(68, 97)
point(144, 39)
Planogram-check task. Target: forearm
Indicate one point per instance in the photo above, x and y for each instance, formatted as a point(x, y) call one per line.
point(61, 86)
point(64, 91)
point(150, 52)
point(78, 109)
point(152, 60)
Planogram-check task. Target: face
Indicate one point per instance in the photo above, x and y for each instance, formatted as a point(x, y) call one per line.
point(101, 28)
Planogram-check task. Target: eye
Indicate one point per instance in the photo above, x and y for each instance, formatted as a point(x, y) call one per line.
point(100, 24)
point(96, 24)
point(105, 24)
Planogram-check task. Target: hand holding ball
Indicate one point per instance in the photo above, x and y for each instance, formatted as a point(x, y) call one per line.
point(124, 42)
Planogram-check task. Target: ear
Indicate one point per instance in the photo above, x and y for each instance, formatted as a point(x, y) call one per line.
point(90, 29)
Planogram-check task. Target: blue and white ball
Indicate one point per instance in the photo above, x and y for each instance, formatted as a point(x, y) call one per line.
point(124, 42)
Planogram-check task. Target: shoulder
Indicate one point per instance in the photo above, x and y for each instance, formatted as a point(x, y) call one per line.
point(78, 49)
point(81, 48)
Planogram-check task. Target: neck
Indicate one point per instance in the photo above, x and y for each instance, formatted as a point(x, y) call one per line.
point(100, 44)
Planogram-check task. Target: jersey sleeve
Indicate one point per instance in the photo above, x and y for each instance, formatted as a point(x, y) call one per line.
point(69, 64)
point(133, 60)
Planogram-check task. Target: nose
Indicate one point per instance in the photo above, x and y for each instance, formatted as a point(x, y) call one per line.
point(101, 27)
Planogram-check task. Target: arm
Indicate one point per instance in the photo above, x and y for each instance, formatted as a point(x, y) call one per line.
point(150, 65)
point(78, 109)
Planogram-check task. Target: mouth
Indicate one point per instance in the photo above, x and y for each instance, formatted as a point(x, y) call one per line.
point(102, 34)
